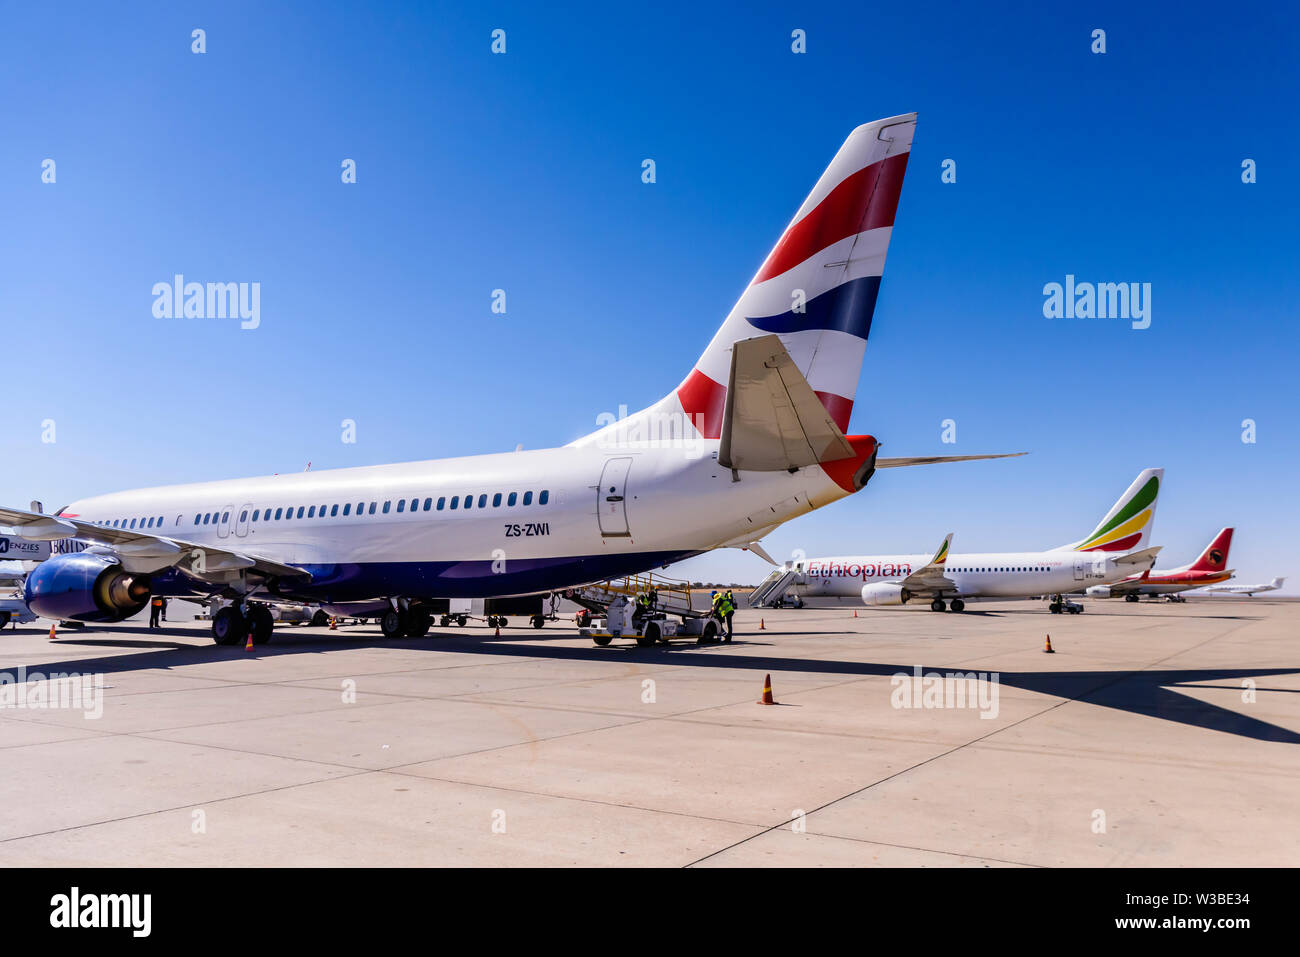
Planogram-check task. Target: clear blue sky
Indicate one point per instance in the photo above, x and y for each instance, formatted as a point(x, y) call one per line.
point(479, 171)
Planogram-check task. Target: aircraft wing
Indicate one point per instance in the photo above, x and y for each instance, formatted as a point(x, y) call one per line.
point(931, 579)
point(142, 552)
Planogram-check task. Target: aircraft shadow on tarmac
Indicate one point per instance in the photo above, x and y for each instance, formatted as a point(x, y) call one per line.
point(1146, 692)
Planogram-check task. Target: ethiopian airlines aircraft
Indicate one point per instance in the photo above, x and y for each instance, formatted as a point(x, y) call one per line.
point(753, 437)
point(1117, 548)
point(1210, 568)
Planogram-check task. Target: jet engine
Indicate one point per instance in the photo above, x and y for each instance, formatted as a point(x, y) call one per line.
point(884, 593)
point(85, 587)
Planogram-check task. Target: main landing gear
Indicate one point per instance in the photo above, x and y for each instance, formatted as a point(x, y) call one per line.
point(939, 605)
point(231, 626)
point(408, 623)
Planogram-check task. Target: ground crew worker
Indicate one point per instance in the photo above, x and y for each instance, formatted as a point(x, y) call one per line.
point(642, 606)
point(155, 609)
point(728, 608)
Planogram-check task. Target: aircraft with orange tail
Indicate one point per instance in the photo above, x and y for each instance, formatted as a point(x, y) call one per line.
point(1210, 568)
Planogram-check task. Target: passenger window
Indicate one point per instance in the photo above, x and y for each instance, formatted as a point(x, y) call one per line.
point(372, 508)
point(528, 498)
point(442, 500)
point(496, 500)
point(415, 504)
point(386, 504)
point(243, 516)
point(207, 518)
point(347, 508)
point(300, 511)
point(542, 499)
point(133, 523)
point(454, 500)
point(311, 512)
point(510, 502)
point(482, 501)
point(334, 510)
point(469, 501)
point(256, 512)
point(278, 513)
point(401, 505)
point(428, 504)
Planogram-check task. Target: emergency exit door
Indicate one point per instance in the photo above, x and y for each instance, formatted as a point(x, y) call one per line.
point(611, 497)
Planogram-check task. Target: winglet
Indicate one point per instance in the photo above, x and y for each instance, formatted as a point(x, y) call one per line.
point(941, 555)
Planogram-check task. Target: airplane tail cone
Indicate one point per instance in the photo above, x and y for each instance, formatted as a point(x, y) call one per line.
point(1047, 648)
point(767, 691)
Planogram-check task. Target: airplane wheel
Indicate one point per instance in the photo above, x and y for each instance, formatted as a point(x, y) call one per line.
point(1130, 597)
point(538, 621)
point(418, 625)
point(260, 624)
point(938, 605)
point(392, 624)
point(602, 640)
point(229, 627)
point(958, 605)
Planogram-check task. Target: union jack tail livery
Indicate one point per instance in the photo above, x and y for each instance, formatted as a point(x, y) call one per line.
point(1127, 526)
point(817, 288)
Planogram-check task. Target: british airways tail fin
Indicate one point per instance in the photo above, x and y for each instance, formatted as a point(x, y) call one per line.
point(817, 288)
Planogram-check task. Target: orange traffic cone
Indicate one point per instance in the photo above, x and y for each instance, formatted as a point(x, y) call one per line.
point(855, 613)
point(248, 645)
point(1047, 649)
point(498, 634)
point(334, 624)
point(761, 625)
point(53, 633)
point(767, 691)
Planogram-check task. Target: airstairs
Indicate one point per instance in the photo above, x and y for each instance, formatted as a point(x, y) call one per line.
point(773, 587)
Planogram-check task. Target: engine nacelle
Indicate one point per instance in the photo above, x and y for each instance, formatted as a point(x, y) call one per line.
point(1098, 591)
point(884, 593)
point(85, 587)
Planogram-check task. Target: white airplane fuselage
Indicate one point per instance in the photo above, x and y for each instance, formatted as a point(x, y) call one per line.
point(975, 574)
point(404, 529)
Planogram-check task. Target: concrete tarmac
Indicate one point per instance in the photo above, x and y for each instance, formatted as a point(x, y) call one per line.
point(1156, 735)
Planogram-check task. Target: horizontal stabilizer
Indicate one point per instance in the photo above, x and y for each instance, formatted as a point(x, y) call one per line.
point(934, 459)
point(773, 419)
point(1138, 558)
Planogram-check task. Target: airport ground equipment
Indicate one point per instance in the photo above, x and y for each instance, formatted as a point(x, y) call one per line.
point(612, 607)
point(771, 591)
point(1060, 605)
